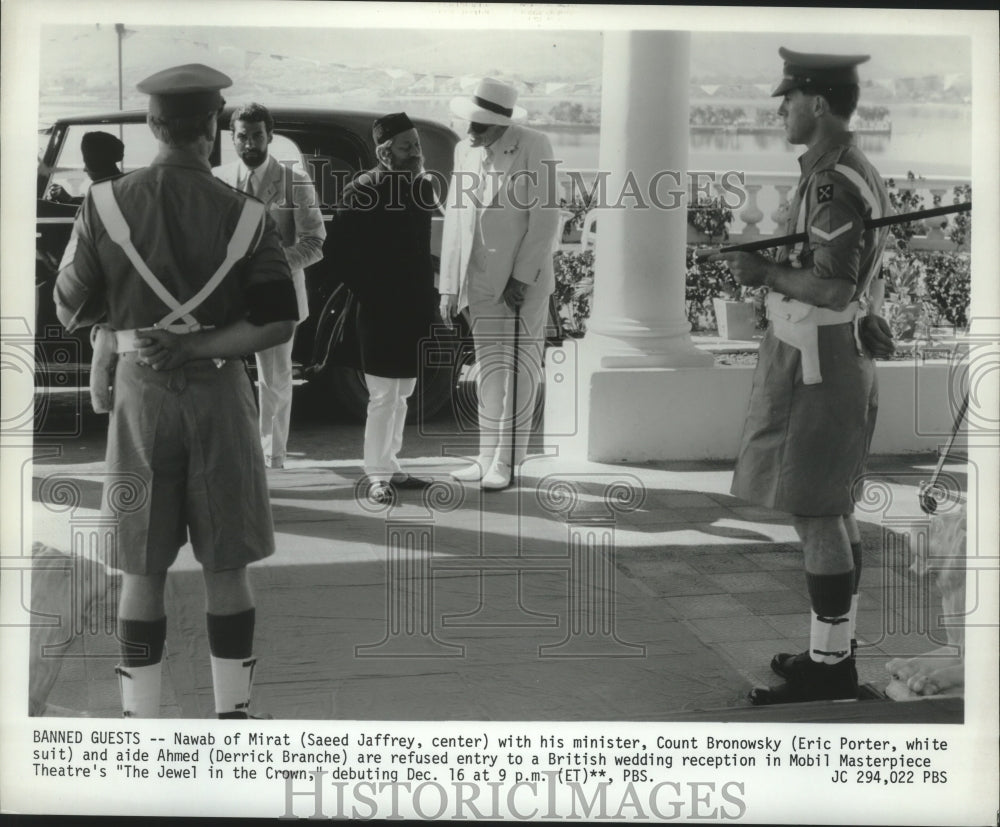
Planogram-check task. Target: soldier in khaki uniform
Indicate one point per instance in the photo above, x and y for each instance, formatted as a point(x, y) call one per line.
point(189, 282)
point(814, 399)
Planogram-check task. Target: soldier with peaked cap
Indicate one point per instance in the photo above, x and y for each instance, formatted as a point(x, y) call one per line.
point(814, 399)
point(186, 275)
point(383, 230)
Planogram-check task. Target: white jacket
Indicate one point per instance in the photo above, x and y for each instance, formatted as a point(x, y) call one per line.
point(520, 224)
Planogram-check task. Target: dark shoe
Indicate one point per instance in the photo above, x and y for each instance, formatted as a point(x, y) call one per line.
point(811, 681)
point(409, 482)
point(245, 716)
point(381, 494)
point(784, 663)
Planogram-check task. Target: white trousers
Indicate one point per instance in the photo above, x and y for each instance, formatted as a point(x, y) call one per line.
point(493, 336)
point(384, 425)
point(274, 377)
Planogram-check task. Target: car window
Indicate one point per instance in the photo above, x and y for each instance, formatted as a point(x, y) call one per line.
point(332, 158)
point(439, 154)
point(140, 149)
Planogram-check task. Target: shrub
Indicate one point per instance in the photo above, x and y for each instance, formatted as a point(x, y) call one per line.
point(961, 228)
point(906, 309)
point(924, 289)
point(904, 201)
point(948, 280)
point(574, 288)
point(712, 217)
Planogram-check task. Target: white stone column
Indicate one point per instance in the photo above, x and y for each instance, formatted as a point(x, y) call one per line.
point(635, 387)
point(638, 317)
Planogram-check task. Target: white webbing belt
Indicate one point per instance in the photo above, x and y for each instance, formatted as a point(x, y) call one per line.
point(118, 230)
point(797, 324)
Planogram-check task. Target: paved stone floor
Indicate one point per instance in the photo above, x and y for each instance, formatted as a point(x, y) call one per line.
point(588, 592)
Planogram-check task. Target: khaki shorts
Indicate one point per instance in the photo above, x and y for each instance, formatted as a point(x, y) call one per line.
point(184, 460)
point(804, 447)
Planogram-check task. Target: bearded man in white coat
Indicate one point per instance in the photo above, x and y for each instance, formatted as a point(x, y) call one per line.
point(500, 225)
point(290, 198)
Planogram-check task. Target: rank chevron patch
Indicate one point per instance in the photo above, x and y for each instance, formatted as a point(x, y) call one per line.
point(830, 236)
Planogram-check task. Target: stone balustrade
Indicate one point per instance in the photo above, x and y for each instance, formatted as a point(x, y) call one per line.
point(763, 197)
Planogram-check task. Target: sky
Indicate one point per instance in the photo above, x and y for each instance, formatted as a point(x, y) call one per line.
point(532, 55)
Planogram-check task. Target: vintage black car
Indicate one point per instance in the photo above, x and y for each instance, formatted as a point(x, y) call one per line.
point(333, 146)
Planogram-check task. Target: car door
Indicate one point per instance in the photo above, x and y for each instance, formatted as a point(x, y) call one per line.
point(61, 165)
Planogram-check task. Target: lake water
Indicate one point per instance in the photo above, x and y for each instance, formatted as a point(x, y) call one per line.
point(927, 139)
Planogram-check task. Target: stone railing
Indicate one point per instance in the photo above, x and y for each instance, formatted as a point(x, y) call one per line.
point(767, 195)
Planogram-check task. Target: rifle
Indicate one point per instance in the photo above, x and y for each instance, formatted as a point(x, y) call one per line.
point(871, 224)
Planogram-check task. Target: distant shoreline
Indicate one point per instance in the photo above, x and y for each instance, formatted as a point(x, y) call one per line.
point(587, 128)
point(744, 129)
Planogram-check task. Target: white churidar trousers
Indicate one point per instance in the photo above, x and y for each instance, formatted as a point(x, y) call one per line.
point(384, 425)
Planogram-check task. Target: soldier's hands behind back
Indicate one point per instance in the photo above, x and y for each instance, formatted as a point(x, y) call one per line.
point(876, 336)
point(161, 349)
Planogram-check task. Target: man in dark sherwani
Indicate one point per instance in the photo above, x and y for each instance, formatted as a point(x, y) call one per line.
point(384, 241)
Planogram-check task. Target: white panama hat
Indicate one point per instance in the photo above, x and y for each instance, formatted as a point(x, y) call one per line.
point(492, 103)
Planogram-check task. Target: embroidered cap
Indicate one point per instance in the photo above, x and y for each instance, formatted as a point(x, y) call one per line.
point(389, 126)
point(814, 71)
point(184, 91)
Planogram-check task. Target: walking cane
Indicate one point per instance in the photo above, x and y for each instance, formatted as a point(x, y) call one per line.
point(925, 495)
point(513, 419)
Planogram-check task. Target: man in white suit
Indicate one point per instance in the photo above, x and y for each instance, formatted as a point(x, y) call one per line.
point(293, 206)
point(500, 226)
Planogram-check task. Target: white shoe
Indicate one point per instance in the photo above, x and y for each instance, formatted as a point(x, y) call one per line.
point(473, 472)
point(498, 477)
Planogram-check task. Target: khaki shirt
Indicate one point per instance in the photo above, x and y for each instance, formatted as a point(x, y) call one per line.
point(838, 191)
point(181, 220)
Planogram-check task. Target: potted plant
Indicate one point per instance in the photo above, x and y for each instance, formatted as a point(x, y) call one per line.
point(735, 314)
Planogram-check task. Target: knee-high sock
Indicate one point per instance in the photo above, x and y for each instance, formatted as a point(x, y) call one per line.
point(230, 639)
point(856, 553)
point(139, 673)
point(830, 630)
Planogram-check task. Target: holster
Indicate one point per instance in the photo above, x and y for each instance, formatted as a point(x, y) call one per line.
point(102, 368)
point(797, 324)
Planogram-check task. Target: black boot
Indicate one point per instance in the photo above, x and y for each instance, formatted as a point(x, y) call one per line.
point(784, 663)
point(811, 681)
